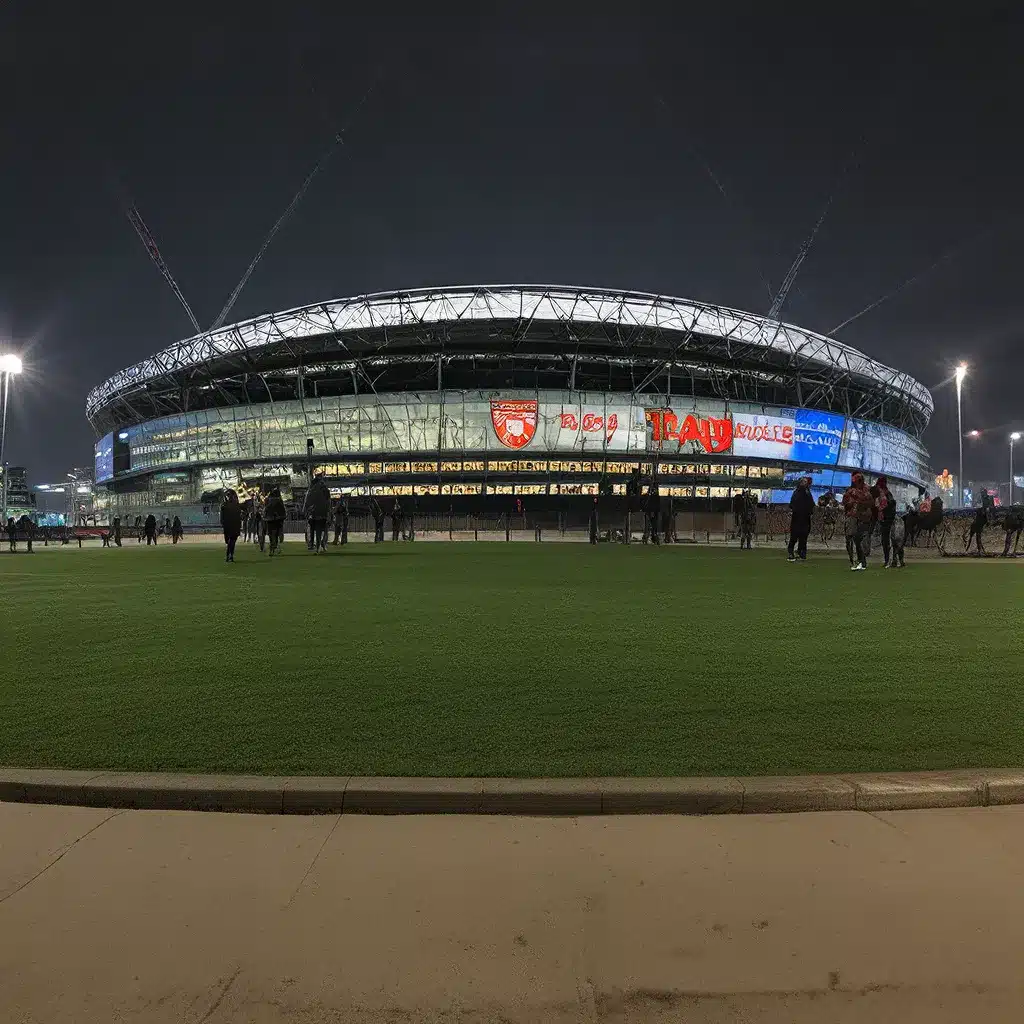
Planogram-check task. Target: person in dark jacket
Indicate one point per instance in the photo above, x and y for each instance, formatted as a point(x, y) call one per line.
point(593, 521)
point(176, 531)
point(117, 530)
point(397, 519)
point(318, 511)
point(29, 529)
point(977, 529)
point(885, 513)
point(259, 530)
point(150, 529)
point(378, 521)
point(231, 521)
point(139, 531)
point(341, 522)
point(1013, 524)
point(801, 508)
point(748, 520)
point(653, 512)
point(273, 518)
point(12, 533)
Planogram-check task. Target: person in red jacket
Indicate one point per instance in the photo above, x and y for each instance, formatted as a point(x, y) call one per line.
point(859, 507)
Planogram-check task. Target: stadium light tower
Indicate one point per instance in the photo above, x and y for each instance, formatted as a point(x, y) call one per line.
point(9, 366)
point(961, 372)
point(1015, 436)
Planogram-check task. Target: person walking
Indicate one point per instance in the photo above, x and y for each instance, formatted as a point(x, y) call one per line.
point(273, 518)
point(231, 522)
point(593, 521)
point(29, 529)
point(748, 520)
point(885, 514)
point(168, 527)
point(977, 529)
point(1013, 524)
point(378, 521)
point(318, 511)
point(150, 529)
point(12, 534)
point(653, 512)
point(898, 539)
point(117, 530)
point(138, 529)
point(176, 531)
point(801, 508)
point(859, 507)
point(259, 531)
point(397, 517)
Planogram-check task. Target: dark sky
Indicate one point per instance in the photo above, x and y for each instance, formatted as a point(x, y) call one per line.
point(512, 144)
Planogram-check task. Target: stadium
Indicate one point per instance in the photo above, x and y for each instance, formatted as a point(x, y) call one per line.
point(468, 397)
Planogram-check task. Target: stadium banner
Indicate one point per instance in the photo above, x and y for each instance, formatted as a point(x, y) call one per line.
point(791, 435)
point(514, 424)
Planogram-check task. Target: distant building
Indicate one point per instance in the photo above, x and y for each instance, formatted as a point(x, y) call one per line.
point(20, 500)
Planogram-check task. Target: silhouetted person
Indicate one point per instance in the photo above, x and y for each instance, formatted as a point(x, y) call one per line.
point(653, 513)
point(176, 531)
point(1013, 524)
point(593, 522)
point(117, 530)
point(259, 530)
point(341, 522)
point(885, 513)
point(397, 518)
point(801, 508)
point(231, 522)
point(12, 534)
point(378, 521)
point(977, 528)
point(138, 529)
point(748, 520)
point(274, 517)
point(318, 511)
point(150, 529)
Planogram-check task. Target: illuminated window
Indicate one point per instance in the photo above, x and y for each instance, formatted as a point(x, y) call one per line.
point(396, 467)
point(719, 492)
point(701, 492)
point(451, 467)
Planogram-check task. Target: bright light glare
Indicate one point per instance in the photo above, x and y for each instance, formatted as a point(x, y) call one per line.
point(961, 372)
point(974, 433)
point(1015, 436)
point(10, 364)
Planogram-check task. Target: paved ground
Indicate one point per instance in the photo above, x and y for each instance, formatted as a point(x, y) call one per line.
point(111, 916)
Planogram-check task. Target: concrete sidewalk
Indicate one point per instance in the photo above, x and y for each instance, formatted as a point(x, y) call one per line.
point(160, 916)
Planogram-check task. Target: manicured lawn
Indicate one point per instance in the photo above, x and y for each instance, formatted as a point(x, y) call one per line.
point(506, 659)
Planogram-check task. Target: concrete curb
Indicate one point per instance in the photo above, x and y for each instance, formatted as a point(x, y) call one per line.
point(889, 791)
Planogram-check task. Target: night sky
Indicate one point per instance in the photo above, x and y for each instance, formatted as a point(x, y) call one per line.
point(512, 144)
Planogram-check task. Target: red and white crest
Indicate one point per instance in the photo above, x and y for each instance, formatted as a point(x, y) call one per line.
point(515, 422)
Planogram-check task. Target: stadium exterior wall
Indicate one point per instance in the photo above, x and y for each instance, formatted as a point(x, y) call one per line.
point(525, 442)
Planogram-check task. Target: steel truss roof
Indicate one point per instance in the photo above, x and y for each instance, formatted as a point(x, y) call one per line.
point(653, 335)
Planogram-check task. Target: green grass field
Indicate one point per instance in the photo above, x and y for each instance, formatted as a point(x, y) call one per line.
point(506, 659)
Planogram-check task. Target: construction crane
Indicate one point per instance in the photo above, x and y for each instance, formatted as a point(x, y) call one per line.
point(136, 221)
point(338, 140)
point(783, 293)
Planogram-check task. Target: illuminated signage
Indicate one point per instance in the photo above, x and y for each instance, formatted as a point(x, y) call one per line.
point(712, 433)
point(515, 422)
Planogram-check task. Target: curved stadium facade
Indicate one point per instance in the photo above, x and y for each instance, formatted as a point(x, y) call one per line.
point(498, 391)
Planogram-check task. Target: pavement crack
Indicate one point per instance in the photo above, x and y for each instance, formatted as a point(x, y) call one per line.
point(225, 988)
point(312, 863)
point(60, 856)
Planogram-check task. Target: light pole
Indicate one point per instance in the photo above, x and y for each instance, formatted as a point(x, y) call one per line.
point(9, 366)
point(961, 372)
point(1015, 436)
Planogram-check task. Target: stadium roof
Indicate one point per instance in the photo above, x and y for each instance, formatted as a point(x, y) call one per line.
point(650, 333)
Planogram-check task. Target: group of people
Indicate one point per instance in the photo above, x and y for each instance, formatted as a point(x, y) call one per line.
point(148, 529)
point(263, 524)
point(864, 509)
